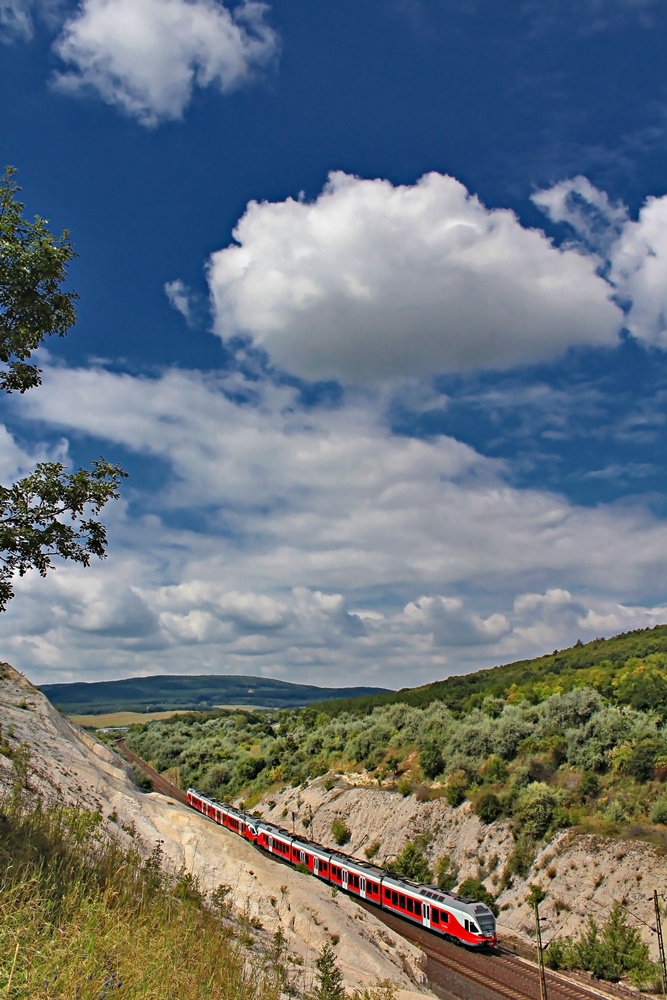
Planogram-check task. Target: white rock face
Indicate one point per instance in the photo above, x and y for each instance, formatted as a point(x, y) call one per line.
point(582, 874)
point(70, 764)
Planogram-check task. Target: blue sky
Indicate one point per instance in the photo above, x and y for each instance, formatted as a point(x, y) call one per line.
point(373, 310)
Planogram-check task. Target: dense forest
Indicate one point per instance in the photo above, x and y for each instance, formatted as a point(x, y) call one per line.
point(579, 740)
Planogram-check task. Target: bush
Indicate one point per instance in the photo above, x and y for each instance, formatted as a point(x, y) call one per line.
point(430, 761)
point(519, 862)
point(445, 875)
point(659, 811)
point(489, 808)
point(615, 952)
point(455, 794)
point(534, 809)
point(412, 863)
point(471, 888)
point(142, 779)
point(340, 831)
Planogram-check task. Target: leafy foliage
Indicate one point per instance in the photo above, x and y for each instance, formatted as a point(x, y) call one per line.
point(50, 512)
point(612, 954)
point(412, 862)
point(340, 831)
point(33, 306)
point(471, 888)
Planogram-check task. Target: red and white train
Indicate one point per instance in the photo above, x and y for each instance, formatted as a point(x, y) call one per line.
point(466, 921)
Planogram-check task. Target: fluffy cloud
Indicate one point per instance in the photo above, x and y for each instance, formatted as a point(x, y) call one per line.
point(372, 281)
point(639, 271)
point(146, 56)
point(326, 548)
point(636, 252)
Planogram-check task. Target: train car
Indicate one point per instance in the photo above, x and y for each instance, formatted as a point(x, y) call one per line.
point(464, 920)
point(356, 877)
point(227, 816)
point(313, 856)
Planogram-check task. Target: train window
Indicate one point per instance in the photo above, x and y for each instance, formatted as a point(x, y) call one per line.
point(411, 906)
point(418, 908)
point(387, 893)
point(435, 916)
point(401, 901)
point(355, 881)
point(394, 898)
point(445, 917)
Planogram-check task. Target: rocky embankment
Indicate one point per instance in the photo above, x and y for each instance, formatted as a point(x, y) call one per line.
point(77, 769)
point(582, 874)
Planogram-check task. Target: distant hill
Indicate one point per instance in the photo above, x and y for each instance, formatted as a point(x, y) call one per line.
point(600, 663)
point(165, 692)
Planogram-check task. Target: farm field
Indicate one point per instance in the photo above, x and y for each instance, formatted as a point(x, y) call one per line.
point(112, 719)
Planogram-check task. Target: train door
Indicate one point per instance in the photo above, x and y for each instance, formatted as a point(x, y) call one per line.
point(344, 878)
point(270, 843)
point(426, 915)
point(316, 865)
point(362, 887)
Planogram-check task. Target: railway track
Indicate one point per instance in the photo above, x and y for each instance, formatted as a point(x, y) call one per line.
point(453, 972)
point(160, 783)
point(481, 974)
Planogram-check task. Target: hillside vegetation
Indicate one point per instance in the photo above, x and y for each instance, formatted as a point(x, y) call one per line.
point(585, 746)
point(597, 664)
point(169, 692)
point(80, 916)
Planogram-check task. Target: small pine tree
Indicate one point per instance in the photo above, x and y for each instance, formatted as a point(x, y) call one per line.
point(329, 977)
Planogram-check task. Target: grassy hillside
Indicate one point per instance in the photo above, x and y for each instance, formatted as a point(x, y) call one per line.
point(166, 692)
point(598, 664)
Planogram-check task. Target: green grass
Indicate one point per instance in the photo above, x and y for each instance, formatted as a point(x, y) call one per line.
point(82, 917)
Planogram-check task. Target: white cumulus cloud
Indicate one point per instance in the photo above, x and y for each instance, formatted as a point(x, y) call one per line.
point(636, 251)
point(315, 544)
point(372, 281)
point(639, 271)
point(147, 56)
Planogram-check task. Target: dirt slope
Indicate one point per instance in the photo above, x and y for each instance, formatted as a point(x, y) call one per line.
point(69, 763)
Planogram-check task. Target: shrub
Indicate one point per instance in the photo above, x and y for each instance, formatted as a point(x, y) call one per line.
point(519, 862)
point(489, 807)
point(616, 951)
point(446, 876)
point(340, 831)
point(659, 811)
point(372, 849)
point(455, 794)
point(404, 787)
point(430, 761)
point(412, 863)
point(494, 769)
point(473, 889)
point(534, 809)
